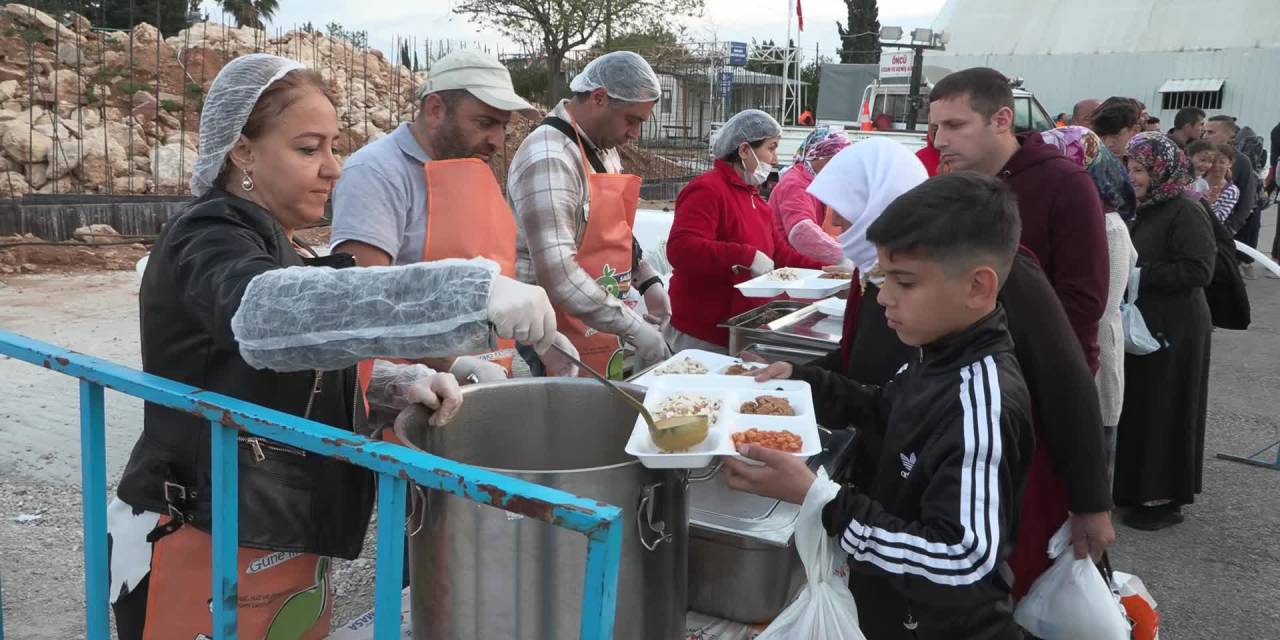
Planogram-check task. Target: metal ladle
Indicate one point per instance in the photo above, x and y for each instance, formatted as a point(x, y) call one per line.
point(676, 433)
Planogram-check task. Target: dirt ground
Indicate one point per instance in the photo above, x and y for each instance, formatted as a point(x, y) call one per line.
point(1215, 576)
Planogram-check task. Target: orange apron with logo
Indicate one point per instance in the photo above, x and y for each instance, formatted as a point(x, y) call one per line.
point(282, 595)
point(605, 254)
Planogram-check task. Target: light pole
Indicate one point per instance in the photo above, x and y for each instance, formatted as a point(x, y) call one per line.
point(921, 40)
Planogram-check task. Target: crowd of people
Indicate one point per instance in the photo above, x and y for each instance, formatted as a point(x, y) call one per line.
point(982, 343)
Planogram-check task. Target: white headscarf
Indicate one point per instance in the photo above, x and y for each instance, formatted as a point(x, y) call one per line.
point(859, 183)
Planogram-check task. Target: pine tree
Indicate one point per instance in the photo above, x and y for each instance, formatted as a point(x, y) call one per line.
point(860, 42)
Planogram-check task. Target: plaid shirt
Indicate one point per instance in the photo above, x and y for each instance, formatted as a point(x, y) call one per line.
point(546, 186)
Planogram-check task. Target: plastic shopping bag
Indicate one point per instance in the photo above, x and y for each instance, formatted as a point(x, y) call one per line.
point(824, 609)
point(1137, 337)
point(1138, 605)
point(1071, 601)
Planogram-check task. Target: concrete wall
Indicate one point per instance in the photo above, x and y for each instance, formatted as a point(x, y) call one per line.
point(57, 217)
point(1250, 91)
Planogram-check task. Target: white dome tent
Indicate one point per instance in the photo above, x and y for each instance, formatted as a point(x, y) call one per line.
point(1223, 56)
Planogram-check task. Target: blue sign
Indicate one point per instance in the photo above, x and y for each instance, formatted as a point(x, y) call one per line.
point(737, 54)
point(726, 83)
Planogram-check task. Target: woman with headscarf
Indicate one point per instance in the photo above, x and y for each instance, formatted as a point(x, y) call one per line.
point(1111, 178)
point(858, 184)
point(723, 234)
point(234, 303)
point(1160, 444)
point(798, 216)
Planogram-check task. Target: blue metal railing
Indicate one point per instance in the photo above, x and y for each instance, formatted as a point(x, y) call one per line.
point(395, 465)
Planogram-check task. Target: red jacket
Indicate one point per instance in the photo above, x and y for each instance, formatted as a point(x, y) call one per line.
point(720, 222)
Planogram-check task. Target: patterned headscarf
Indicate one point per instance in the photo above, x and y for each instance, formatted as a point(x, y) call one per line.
point(1109, 175)
point(1167, 164)
point(822, 142)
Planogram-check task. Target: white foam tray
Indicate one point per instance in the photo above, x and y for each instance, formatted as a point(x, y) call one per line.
point(715, 363)
point(731, 391)
point(810, 286)
point(833, 307)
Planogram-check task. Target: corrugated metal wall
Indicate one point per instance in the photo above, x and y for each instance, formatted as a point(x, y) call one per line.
point(1251, 91)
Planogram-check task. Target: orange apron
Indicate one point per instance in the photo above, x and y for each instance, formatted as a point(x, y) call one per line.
point(467, 217)
point(605, 254)
point(282, 596)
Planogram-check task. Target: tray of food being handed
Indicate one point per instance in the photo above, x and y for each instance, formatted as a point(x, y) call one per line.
point(777, 414)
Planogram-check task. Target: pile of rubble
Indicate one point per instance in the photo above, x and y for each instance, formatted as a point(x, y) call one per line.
point(96, 247)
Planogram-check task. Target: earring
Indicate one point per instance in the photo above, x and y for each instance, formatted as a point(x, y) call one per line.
point(247, 183)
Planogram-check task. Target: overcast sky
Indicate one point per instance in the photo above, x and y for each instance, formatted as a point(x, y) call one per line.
point(722, 20)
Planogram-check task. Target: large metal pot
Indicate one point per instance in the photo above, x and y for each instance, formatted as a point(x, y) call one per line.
point(481, 572)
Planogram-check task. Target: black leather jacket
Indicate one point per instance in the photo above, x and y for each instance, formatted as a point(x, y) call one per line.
point(290, 500)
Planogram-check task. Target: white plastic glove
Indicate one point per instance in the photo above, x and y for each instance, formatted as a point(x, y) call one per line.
point(469, 370)
point(761, 264)
point(657, 304)
point(522, 313)
point(440, 393)
point(650, 346)
point(557, 365)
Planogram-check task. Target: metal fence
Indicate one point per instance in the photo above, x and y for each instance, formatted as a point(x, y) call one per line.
point(395, 465)
point(700, 88)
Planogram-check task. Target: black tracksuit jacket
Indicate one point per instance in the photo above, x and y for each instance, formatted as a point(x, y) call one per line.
point(928, 545)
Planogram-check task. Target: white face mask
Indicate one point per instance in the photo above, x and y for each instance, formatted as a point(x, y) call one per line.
point(761, 172)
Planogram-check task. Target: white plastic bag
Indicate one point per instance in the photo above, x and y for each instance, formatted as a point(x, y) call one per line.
point(1137, 337)
point(824, 609)
point(1071, 601)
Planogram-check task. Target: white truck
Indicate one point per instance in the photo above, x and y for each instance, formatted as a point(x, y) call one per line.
point(890, 94)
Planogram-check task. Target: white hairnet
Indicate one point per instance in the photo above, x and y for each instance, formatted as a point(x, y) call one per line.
point(624, 74)
point(751, 125)
point(226, 110)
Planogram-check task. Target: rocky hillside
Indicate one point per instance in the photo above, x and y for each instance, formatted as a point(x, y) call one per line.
point(117, 112)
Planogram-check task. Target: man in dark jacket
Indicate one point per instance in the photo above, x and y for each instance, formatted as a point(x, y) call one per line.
point(1062, 219)
point(1062, 224)
point(928, 542)
point(1188, 126)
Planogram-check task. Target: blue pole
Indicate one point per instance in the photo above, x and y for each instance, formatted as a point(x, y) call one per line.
point(223, 456)
point(93, 479)
point(390, 559)
point(600, 584)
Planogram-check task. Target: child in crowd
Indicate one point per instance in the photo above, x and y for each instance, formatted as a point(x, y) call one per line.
point(929, 537)
point(1203, 154)
point(1222, 195)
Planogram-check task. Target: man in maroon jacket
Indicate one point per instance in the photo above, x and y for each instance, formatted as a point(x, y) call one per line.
point(1062, 224)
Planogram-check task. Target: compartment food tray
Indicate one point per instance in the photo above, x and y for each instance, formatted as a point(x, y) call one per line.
point(731, 391)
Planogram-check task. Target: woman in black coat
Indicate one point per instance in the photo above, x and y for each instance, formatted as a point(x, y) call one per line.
point(1160, 441)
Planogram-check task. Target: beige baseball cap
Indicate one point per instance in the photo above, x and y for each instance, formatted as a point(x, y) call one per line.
point(481, 75)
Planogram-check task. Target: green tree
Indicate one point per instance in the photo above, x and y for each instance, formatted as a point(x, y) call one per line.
point(406, 58)
point(812, 75)
point(251, 13)
point(555, 27)
point(659, 43)
point(860, 42)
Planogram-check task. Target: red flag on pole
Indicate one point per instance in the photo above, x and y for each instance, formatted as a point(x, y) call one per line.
point(799, 15)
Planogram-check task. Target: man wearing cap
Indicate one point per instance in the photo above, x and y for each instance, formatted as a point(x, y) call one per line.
point(575, 210)
point(425, 192)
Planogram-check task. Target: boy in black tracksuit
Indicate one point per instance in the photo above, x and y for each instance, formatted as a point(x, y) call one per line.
point(927, 541)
